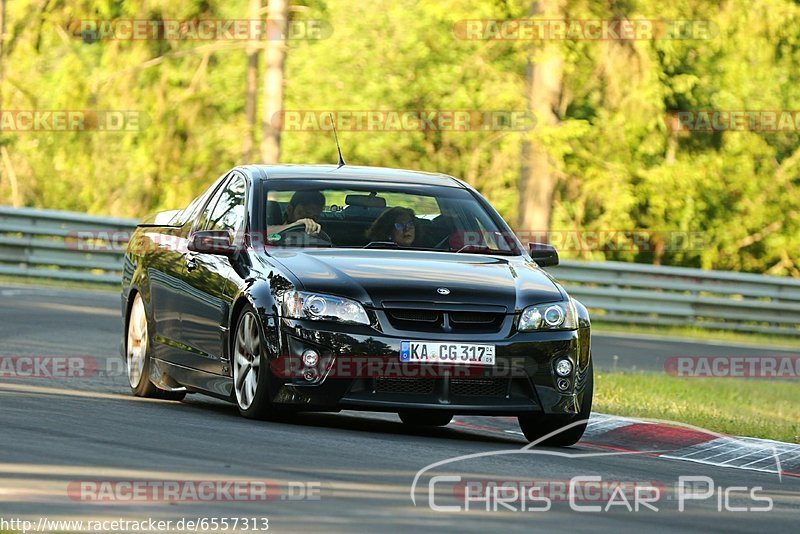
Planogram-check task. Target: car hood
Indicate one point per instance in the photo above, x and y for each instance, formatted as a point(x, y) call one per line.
point(383, 278)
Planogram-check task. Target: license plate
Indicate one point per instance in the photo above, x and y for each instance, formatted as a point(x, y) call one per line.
point(455, 353)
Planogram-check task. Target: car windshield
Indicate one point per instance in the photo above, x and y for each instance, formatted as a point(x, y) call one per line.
point(446, 219)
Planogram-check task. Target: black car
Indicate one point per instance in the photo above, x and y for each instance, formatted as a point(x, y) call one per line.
point(322, 288)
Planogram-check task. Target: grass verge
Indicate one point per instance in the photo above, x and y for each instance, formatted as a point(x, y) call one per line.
point(741, 407)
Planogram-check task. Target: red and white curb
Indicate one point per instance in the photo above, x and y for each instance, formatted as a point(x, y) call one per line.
point(680, 442)
point(670, 440)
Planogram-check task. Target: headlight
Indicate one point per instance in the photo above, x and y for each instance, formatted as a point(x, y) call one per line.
point(319, 307)
point(552, 316)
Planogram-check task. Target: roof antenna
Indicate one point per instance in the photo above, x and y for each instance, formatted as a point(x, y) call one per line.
point(336, 137)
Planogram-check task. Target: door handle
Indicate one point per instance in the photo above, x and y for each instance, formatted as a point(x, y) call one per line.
point(191, 264)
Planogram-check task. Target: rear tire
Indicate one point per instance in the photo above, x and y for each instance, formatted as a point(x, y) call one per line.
point(138, 349)
point(413, 418)
point(537, 426)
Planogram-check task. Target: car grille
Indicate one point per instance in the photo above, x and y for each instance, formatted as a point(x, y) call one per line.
point(479, 387)
point(473, 318)
point(410, 386)
point(421, 316)
point(434, 321)
point(474, 391)
point(465, 387)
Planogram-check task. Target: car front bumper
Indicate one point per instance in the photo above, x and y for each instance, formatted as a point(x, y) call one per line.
point(360, 369)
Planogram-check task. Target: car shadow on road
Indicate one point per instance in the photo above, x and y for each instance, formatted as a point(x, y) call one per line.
point(370, 422)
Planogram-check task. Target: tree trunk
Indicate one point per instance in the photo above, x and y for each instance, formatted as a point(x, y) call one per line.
point(16, 199)
point(251, 96)
point(538, 174)
point(278, 16)
point(2, 50)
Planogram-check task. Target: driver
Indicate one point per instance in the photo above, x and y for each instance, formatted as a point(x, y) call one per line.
point(304, 209)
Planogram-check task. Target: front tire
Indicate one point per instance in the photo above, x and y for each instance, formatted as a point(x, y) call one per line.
point(251, 368)
point(412, 418)
point(537, 426)
point(138, 350)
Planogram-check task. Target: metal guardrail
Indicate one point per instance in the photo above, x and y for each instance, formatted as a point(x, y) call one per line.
point(635, 293)
point(77, 247)
point(61, 245)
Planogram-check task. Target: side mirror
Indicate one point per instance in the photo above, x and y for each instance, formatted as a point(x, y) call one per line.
point(217, 242)
point(544, 255)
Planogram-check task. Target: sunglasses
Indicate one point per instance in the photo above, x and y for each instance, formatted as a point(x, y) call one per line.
point(404, 226)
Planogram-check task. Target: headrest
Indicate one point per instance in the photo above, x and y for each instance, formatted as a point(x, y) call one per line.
point(274, 213)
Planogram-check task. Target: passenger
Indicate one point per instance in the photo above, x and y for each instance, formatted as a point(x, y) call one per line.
point(398, 225)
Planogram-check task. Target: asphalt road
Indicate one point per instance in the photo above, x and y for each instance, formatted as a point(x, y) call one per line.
point(59, 434)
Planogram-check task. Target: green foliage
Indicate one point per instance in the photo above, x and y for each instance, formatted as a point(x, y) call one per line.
point(621, 168)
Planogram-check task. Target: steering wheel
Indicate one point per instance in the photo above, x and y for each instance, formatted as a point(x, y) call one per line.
point(445, 244)
point(322, 238)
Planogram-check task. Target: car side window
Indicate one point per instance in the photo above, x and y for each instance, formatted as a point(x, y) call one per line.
point(227, 210)
point(201, 222)
point(190, 212)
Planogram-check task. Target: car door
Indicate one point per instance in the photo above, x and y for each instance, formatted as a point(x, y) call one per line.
point(208, 277)
point(166, 273)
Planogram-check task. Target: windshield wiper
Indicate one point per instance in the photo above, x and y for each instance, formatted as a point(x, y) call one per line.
point(484, 250)
point(467, 248)
point(393, 245)
point(381, 244)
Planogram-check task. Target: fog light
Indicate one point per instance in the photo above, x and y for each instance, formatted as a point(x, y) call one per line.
point(563, 384)
point(563, 367)
point(311, 358)
point(310, 374)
